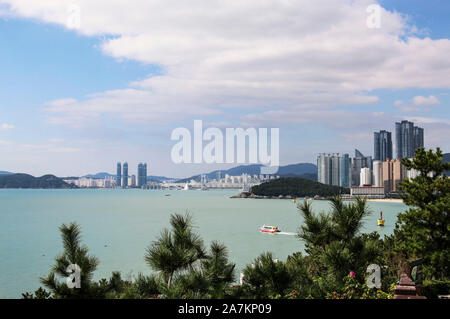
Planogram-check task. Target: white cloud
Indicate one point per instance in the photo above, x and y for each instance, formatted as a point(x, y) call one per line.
point(5, 143)
point(426, 101)
point(6, 127)
point(398, 103)
point(263, 57)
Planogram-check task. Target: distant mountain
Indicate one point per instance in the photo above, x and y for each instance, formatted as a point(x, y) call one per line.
point(297, 169)
point(101, 175)
point(311, 177)
point(159, 179)
point(305, 170)
point(5, 173)
point(28, 181)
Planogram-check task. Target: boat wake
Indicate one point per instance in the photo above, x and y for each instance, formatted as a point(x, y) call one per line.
point(286, 233)
point(283, 233)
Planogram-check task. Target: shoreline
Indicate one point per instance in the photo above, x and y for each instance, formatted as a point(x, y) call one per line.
point(387, 200)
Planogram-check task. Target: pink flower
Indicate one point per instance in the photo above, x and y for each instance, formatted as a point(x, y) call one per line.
point(353, 274)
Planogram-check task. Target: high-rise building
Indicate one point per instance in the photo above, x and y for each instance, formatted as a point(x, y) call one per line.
point(382, 146)
point(344, 170)
point(334, 169)
point(408, 138)
point(393, 174)
point(142, 174)
point(324, 169)
point(335, 172)
point(359, 161)
point(377, 178)
point(365, 176)
point(119, 175)
point(125, 175)
point(132, 181)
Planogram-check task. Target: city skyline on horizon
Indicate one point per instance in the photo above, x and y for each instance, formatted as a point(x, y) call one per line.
point(76, 98)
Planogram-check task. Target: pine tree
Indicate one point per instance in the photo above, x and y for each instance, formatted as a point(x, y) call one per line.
point(176, 249)
point(424, 230)
point(74, 255)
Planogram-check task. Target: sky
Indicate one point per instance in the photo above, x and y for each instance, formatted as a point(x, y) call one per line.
point(85, 84)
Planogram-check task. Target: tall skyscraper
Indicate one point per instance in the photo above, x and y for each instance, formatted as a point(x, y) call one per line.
point(334, 169)
point(142, 174)
point(393, 174)
point(359, 161)
point(382, 146)
point(365, 176)
point(335, 174)
point(119, 175)
point(377, 178)
point(408, 138)
point(324, 169)
point(125, 175)
point(344, 170)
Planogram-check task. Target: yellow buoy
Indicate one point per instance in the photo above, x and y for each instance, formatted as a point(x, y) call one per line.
point(381, 220)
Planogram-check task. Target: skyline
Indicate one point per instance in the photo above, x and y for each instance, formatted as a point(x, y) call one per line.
point(75, 101)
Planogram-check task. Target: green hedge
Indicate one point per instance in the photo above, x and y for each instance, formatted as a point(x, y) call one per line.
point(432, 288)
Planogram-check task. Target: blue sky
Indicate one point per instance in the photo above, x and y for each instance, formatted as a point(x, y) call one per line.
point(76, 101)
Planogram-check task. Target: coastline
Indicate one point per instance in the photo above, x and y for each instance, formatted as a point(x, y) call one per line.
point(386, 200)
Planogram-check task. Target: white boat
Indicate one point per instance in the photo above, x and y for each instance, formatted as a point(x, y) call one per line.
point(269, 229)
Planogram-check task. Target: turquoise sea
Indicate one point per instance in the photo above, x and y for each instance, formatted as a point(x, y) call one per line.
point(117, 226)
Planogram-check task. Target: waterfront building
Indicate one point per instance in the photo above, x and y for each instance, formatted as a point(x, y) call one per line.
point(335, 172)
point(119, 175)
point(132, 181)
point(359, 161)
point(345, 163)
point(393, 174)
point(377, 177)
point(334, 169)
point(382, 146)
point(365, 176)
point(408, 138)
point(142, 174)
point(125, 175)
point(367, 191)
point(324, 169)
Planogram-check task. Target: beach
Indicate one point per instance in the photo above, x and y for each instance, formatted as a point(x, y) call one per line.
point(387, 200)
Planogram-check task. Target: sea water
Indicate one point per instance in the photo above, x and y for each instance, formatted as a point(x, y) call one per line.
point(118, 224)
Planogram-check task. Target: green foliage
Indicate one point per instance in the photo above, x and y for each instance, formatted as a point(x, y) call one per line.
point(74, 254)
point(28, 181)
point(266, 277)
point(297, 187)
point(433, 288)
point(354, 289)
point(423, 231)
point(38, 294)
point(334, 241)
point(176, 249)
point(211, 279)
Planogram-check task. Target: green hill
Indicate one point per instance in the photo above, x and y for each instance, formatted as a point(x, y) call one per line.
point(28, 181)
point(297, 187)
